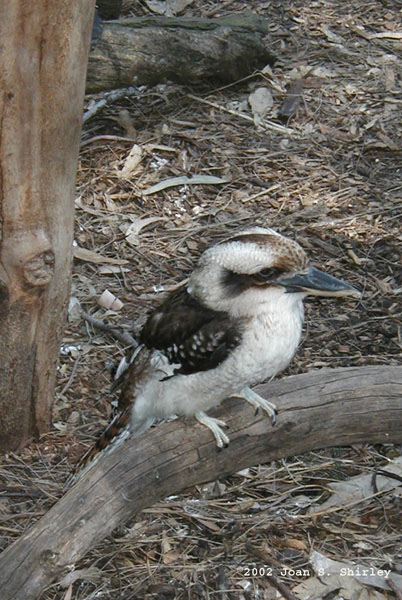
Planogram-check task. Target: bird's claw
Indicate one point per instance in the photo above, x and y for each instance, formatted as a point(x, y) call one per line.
point(215, 425)
point(258, 402)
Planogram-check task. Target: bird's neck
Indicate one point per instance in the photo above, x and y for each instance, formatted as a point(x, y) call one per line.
point(276, 305)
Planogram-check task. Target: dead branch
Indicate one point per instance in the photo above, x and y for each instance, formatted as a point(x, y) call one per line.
point(149, 50)
point(316, 410)
point(122, 336)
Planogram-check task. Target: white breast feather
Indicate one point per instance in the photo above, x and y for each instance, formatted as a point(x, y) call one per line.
point(268, 344)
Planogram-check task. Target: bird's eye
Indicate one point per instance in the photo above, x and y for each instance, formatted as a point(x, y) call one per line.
point(268, 274)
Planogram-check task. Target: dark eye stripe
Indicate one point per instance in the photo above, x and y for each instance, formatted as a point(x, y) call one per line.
point(268, 274)
point(237, 283)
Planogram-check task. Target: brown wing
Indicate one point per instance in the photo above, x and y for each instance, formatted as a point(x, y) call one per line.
point(190, 334)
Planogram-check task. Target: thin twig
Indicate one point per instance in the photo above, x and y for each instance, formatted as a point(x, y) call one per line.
point(281, 587)
point(123, 337)
point(107, 138)
point(221, 6)
point(111, 97)
point(263, 124)
point(397, 592)
point(70, 379)
point(274, 581)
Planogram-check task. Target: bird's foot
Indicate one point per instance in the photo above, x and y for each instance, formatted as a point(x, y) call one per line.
point(258, 402)
point(139, 426)
point(214, 425)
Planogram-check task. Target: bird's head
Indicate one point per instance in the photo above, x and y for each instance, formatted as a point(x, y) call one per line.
point(257, 266)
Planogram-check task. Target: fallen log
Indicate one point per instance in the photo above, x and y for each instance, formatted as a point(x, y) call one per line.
point(149, 50)
point(109, 9)
point(316, 410)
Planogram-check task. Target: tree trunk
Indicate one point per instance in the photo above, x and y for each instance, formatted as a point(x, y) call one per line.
point(43, 55)
point(148, 50)
point(316, 410)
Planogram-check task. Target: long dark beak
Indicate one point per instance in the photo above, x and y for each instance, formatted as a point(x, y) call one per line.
point(317, 283)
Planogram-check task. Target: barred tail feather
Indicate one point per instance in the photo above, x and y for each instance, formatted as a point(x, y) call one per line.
point(136, 375)
point(112, 431)
point(119, 427)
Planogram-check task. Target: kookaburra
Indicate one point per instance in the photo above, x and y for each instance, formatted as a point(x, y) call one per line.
point(237, 323)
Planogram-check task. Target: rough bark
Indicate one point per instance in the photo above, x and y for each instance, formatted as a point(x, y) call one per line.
point(316, 410)
point(148, 50)
point(43, 53)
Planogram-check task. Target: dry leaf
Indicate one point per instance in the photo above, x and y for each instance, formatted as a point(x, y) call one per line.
point(292, 100)
point(384, 285)
point(261, 102)
point(358, 261)
point(69, 593)
point(156, 6)
point(74, 309)
point(131, 163)
point(168, 556)
point(336, 586)
point(390, 79)
point(296, 544)
point(94, 257)
point(166, 546)
point(125, 121)
point(133, 230)
point(209, 525)
point(175, 181)
point(111, 270)
point(168, 8)
point(91, 574)
point(159, 147)
point(387, 141)
point(333, 37)
point(363, 575)
point(360, 487)
point(392, 35)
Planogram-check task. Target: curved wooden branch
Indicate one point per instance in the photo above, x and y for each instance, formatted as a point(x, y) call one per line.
point(316, 410)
